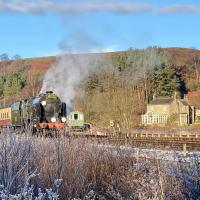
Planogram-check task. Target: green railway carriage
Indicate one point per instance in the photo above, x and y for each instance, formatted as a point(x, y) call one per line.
point(16, 114)
point(75, 119)
point(21, 112)
point(26, 110)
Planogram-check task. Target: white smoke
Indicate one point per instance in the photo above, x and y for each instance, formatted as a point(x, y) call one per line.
point(66, 73)
point(38, 7)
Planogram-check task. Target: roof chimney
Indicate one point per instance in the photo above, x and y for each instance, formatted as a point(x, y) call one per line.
point(176, 95)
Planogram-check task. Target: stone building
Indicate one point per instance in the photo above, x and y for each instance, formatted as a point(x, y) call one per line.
point(164, 110)
point(193, 99)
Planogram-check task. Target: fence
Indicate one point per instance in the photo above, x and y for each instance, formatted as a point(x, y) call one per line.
point(154, 119)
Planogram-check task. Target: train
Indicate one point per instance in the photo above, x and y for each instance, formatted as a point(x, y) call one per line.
point(43, 112)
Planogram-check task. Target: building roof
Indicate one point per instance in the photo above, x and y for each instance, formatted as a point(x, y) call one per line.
point(161, 101)
point(193, 98)
point(184, 102)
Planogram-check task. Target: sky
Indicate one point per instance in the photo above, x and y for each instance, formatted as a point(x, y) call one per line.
point(50, 27)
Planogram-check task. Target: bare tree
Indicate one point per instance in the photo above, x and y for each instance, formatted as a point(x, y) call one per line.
point(34, 80)
point(196, 65)
point(4, 61)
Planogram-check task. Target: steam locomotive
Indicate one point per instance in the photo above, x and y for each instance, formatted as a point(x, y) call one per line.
point(45, 111)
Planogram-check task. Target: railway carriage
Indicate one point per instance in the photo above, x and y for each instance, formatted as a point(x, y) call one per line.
point(75, 119)
point(5, 116)
point(16, 114)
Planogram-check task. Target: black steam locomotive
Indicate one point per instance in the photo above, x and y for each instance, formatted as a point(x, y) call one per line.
point(45, 111)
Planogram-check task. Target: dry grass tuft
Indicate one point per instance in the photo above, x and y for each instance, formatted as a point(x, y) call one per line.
point(90, 171)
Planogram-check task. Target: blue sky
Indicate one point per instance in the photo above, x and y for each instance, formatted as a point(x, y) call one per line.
point(34, 29)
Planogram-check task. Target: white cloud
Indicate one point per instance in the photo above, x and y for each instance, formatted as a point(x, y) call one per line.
point(38, 7)
point(116, 7)
point(179, 8)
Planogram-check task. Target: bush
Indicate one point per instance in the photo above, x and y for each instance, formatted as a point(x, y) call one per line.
point(88, 170)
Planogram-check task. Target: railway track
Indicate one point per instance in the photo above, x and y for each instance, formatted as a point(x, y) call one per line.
point(154, 137)
point(181, 140)
point(176, 139)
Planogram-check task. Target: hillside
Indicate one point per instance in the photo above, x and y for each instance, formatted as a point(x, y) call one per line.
point(179, 57)
point(182, 56)
point(127, 87)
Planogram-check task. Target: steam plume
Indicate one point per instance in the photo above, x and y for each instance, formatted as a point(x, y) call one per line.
point(66, 73)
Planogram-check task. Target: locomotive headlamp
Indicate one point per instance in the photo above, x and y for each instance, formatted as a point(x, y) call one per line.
point(53, 119)
point(63, 119)
point(44, 103)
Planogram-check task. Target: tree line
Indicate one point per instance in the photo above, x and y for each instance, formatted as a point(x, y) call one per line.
point(11, 82)
point(121, 86)
point(15, 77)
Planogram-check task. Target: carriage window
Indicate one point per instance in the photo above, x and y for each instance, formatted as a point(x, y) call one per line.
point(75, 116)
point(81, 117)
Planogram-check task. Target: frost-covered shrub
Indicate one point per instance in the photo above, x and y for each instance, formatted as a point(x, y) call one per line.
point(27, 193)
point(65, 168)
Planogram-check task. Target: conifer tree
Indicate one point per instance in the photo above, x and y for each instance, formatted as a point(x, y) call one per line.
point(14, 83)
point(166, 80)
